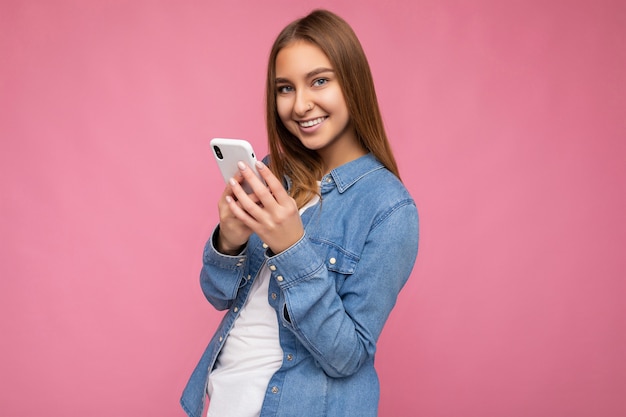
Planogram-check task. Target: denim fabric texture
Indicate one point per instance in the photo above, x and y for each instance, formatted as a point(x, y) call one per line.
point(332, 291)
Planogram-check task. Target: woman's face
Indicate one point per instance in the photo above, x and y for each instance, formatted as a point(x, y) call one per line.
point(311, 104)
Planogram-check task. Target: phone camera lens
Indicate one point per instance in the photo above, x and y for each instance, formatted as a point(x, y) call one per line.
point(218, 152)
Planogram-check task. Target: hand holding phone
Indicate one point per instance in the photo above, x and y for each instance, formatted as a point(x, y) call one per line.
point(228, 152)
point(272, 214)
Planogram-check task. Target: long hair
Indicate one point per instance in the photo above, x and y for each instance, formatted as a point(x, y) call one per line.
point(338, 41)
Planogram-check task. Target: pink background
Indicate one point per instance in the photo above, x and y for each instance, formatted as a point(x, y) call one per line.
point(508, 120)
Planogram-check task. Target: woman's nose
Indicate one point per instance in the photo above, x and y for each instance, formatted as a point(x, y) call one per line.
point(302, 104)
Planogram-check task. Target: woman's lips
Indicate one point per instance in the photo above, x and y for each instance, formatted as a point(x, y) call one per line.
point(311, 122)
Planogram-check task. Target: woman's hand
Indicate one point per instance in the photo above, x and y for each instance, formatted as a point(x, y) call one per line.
point(270, 212)
point(233, 233)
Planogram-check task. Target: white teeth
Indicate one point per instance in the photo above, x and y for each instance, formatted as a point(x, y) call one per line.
point(312, 122)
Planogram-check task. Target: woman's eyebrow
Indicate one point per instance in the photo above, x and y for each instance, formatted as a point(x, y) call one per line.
point(318, 71)
point(310, 74)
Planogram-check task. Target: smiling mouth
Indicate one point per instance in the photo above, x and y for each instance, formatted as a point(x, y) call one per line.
point(311, 123)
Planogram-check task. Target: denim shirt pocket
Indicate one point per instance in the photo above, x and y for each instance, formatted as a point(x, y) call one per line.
point(339, 262)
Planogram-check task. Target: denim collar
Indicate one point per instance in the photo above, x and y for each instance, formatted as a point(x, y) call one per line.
point(348, 174)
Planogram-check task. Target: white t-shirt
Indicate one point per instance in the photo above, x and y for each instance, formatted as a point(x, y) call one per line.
point(250, 355)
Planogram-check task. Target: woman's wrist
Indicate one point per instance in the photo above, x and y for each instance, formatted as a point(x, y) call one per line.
point(224, 248)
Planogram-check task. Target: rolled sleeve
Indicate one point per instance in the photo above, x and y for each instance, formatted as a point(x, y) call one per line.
point(221, 275)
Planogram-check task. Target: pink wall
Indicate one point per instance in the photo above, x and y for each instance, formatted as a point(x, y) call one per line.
point(508, 119)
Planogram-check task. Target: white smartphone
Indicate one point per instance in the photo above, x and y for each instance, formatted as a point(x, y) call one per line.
point(228, 152)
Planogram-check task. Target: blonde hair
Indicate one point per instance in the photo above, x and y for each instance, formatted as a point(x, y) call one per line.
point(338, 41)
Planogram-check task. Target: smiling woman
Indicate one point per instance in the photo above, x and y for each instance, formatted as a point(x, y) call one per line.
point(312, 107)
point(301, 273)
point(325, 42)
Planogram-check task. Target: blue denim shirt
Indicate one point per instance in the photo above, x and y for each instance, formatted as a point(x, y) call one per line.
point(332, 291)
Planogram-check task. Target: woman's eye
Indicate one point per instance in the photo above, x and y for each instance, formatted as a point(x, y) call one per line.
point(320, 82)
point(282, 89)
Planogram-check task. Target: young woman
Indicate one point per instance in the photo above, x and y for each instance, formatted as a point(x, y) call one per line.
point(309, 266)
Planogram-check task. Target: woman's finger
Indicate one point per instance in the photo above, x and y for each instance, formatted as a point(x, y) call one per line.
point(274, 184)
point(259, 189)
point(248, 204)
